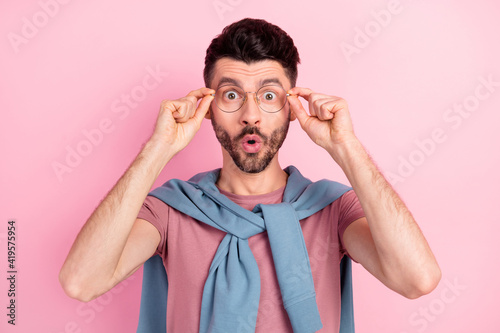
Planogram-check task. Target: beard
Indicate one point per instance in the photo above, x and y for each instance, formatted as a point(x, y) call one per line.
point(251, 162)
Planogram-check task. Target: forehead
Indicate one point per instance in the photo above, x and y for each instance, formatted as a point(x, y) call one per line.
point(249, 76)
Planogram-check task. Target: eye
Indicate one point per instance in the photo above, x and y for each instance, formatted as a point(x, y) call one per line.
point(231, 95)
point(269, 96)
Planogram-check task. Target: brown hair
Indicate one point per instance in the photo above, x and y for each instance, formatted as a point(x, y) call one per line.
point(251, 40)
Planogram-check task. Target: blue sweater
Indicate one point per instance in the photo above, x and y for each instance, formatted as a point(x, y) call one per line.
point(234, 279)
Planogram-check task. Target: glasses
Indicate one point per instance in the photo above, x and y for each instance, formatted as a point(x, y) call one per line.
point(270, 98)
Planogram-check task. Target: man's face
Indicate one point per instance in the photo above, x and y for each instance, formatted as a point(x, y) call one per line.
point(250, 136)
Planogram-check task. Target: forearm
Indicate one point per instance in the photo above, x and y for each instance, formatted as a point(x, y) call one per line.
point(94, 256)
point(406, 260)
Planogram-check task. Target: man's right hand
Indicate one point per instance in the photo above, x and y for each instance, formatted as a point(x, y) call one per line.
point(180, 119)
point(114, 243)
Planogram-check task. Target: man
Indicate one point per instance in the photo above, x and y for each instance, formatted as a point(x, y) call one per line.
point(250, 98)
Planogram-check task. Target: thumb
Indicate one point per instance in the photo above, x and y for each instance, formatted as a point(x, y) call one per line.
point(202, 108)
point(297, 109)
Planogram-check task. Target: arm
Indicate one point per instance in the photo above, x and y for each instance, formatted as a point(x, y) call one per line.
point(388, 242)
point(113, 244)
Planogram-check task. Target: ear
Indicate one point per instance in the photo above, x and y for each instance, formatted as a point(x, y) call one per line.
point(208, 114)
point(292, 114)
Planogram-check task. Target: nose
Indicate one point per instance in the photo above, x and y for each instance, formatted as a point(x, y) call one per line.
point(250, 111)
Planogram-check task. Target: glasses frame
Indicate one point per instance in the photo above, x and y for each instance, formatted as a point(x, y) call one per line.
point(255, 98)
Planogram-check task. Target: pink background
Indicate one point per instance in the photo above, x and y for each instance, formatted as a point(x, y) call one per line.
point(65, 69)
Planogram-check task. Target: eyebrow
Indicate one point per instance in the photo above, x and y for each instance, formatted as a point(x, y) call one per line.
point(228, 80)
point(272, 80)
point(225, 80)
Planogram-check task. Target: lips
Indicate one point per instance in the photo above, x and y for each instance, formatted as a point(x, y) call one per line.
point(251, 143)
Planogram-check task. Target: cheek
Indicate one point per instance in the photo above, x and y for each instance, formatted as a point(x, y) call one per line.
point(282, 120)
point(223, 122)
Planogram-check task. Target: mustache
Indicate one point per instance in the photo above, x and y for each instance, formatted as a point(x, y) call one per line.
point(251, 130)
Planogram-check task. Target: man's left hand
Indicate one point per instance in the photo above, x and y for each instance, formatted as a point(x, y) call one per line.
point(328, 123)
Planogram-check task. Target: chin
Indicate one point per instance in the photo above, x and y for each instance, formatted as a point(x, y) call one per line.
point(251, 163)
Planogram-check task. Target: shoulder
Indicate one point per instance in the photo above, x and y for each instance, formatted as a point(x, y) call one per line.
point(155, 206)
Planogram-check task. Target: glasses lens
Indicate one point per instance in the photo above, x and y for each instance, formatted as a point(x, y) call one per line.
point(229, 98)
point(271, 98)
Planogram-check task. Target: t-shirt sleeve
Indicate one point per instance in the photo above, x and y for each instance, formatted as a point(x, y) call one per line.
point(349, 211)
point(156, 212)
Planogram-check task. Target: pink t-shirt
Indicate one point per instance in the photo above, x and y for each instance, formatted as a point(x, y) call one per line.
point(188, 246)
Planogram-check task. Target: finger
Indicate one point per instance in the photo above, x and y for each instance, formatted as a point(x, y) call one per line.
point(184, 113)
point(187, 109)
point(323, 108)
point(315, 102)
point(183, 109)
point(171, 106)
point(302, 92)
point(200, 93)
point(310, 96)
point(202, 108)
point(297, 109)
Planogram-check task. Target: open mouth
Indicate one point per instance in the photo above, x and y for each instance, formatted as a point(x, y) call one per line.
point(251, 143)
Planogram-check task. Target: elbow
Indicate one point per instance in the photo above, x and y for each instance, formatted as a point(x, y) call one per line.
point(424, 284)
point(74, 289)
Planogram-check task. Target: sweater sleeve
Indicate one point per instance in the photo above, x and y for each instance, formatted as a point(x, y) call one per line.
point(156, 212)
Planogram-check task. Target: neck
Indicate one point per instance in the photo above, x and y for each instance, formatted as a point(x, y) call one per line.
point(232, 179)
